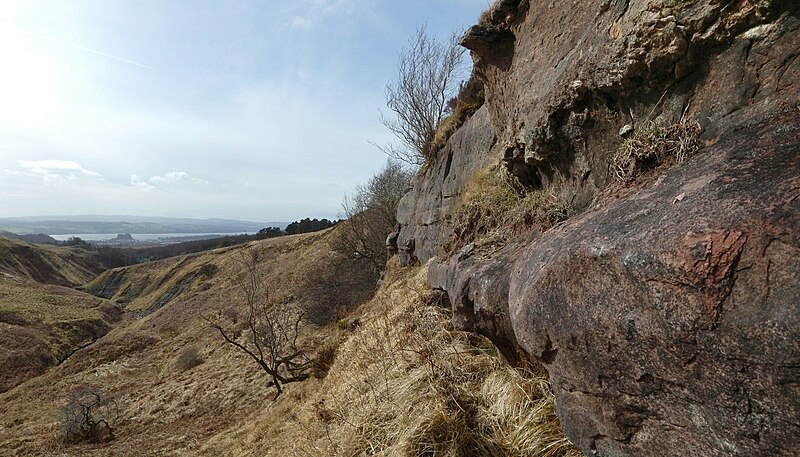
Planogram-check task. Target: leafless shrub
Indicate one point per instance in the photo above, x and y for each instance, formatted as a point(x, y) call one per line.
point(272, 326)
point(427, 75)
point(333, 288)
point(207, 270)
point(188, 359)
point(370, 212)
point(89, 415)
point(324, 359)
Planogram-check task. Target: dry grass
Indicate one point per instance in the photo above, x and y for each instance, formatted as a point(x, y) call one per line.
point(465, 104)
point(40, 325)
point(406, 384)
point(62, 265)
point(491, 209)
point(395, 379)
point(653, 144)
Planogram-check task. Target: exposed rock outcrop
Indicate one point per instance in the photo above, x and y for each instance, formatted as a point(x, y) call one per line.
point(666, 311)
point(671, 325)
point(423, 211)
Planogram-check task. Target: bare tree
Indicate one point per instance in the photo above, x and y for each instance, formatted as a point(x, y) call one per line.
point(272, 326)
point(428, 71)
point(89, 415)
point(371, 213)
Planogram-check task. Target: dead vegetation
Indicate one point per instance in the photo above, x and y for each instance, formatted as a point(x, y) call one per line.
point(271, 328)
point(89, 415)
point(492, 208)
point(188, 358)
point(468, 100)
point(654, 144)
point(427, 77)
point(405, 383)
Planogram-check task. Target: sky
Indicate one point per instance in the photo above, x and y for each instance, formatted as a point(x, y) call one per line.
point(255, 110)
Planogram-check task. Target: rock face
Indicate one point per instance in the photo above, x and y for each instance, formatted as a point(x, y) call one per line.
point(673, 325)
point(422, 211)
point(665, 311)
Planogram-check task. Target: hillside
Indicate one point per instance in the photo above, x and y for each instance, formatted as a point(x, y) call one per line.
point(42, 325)
point(60, 265)
point(394, 379)
point(306, 262)
point(42, 320)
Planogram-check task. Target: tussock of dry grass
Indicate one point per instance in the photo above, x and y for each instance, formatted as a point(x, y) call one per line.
point(491, 208)
point(654, 144)
point(406, 384)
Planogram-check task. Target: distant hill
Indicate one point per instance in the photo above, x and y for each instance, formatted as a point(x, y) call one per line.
point(65, 225)
point(38, 238)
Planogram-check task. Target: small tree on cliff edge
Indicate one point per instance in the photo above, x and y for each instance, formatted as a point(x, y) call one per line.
point(427, 77)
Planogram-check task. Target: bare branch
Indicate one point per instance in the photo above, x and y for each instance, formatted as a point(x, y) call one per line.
point(427, 73)
point(273, 325)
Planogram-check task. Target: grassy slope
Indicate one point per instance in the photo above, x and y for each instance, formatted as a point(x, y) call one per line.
point(41, 325)
point(402, 382)
point(60, 265)
point(146, 287)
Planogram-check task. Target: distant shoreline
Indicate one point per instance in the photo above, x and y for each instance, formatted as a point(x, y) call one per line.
point(142, 236)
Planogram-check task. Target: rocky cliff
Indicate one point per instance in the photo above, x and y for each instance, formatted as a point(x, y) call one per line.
point(665, 308)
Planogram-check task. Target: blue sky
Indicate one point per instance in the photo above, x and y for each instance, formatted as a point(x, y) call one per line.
point(258, 110)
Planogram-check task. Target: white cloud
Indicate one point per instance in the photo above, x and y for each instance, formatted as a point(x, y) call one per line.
point(136, 181)
point(301, 23)
point(176, 177)
point(49, 167)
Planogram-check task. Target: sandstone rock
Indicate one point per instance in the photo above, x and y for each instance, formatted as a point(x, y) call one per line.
point(391, 242)
point(667, 326)
point(666, 312)
point(423, 212)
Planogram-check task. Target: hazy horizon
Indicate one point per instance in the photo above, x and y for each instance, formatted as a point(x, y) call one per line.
point(249, 110)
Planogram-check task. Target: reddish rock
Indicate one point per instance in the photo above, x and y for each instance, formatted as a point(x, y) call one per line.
point(666, 311)
point(674, 328)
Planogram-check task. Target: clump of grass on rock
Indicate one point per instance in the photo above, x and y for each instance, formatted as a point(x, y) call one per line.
point(492, 207)
point(654, 144)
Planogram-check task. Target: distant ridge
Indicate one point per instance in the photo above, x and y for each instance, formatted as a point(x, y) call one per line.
point(90, 223)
